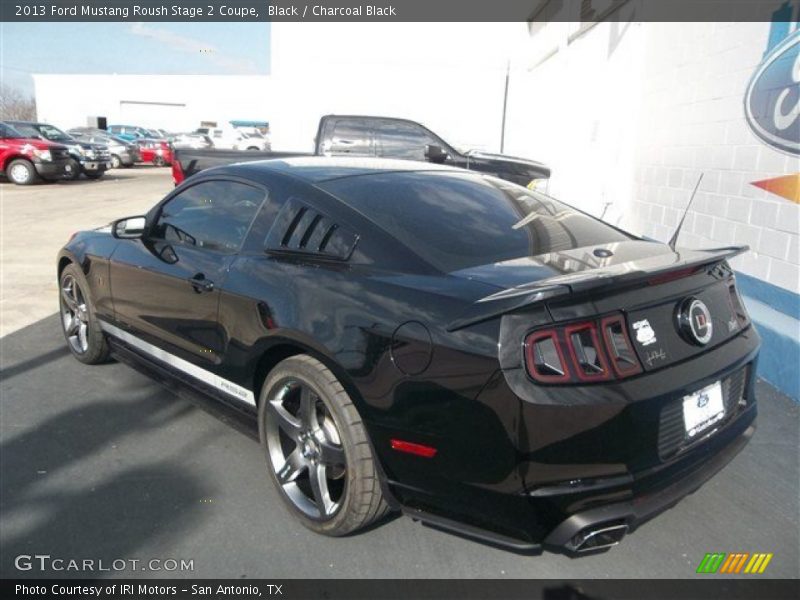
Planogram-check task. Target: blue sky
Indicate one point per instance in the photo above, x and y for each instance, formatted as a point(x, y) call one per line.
point(142, 48)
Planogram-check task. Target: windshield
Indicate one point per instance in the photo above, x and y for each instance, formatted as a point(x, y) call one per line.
point(52, 133)
point(456, 221)
point(46, 131)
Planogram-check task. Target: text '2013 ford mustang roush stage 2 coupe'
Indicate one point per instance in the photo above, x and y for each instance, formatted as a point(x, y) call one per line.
point(427, 339)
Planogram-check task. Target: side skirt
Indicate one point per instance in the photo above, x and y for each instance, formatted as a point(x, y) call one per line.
point(225, 408)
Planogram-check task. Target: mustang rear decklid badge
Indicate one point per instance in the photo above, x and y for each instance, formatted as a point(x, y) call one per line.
point(694, 321)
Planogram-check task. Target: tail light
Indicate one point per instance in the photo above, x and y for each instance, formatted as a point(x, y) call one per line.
point(585, 352)
point(544, 357)
point(177, 172)
point(620, 350)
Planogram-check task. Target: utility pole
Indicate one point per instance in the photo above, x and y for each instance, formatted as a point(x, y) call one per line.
point(505, 103)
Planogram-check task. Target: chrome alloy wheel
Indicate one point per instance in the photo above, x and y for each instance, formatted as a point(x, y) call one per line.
point(19, 173)
point(305, 449)
point(74, 315)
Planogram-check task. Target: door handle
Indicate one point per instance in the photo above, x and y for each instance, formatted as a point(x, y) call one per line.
point(201, 284)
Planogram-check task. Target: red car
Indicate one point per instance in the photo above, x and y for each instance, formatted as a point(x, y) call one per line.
point(158, 152)
point(26, 160)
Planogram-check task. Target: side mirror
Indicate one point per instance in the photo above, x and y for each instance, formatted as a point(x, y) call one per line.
point(129, 228)
point(435, 154)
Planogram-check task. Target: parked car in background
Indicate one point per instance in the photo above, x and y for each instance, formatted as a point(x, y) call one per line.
point(130, 132)
point(25, 160)
point(339, 135)
point(90, 159)
point(123, 152)
point(155, 151)
point(227, 138)
point(198, 141)
point(254, 140)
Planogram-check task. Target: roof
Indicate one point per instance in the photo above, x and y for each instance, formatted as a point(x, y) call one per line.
point(315, 169)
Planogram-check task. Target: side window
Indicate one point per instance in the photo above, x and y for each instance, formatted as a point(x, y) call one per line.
point(351, 136)
point(396, 139)
point(213, 214)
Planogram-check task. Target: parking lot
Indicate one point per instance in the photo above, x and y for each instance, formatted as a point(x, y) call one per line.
point(103, 463)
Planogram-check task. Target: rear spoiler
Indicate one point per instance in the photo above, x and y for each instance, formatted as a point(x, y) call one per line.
point(619, 275)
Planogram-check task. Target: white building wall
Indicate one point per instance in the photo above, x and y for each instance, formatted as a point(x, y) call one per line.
point(449, 76)
point(633, 117)
point(175, 102)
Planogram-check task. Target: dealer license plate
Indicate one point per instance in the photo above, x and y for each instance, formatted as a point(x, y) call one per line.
point(703, 409)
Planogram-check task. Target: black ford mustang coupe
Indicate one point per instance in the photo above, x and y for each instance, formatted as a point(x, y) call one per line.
point(420, 338)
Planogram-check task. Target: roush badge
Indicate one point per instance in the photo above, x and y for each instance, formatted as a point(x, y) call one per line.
point(772, 101)
point(644, 332)
point(694, 321)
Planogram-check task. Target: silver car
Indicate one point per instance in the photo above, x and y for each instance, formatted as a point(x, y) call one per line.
point(123, 153)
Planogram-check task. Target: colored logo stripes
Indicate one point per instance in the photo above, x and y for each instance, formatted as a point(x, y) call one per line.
point(734, 563)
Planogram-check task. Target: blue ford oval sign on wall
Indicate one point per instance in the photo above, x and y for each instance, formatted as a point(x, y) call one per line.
point(772, 101)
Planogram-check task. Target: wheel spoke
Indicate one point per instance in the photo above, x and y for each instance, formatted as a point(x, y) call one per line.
point(287, 423)
point(319, 487)
point(307, 411)
point(294, 465)
point(82, 335)
point(331, 455)
point(74, 325)
point(68, 299)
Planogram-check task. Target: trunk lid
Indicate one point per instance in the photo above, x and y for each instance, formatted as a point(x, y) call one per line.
point(653, 286)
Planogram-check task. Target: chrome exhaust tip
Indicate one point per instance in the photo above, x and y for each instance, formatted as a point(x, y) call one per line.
point(600, 537)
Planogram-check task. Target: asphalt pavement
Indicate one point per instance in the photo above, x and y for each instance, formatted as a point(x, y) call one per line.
point(102, 463)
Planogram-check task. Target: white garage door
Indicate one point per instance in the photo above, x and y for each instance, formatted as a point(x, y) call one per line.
point(166, 115)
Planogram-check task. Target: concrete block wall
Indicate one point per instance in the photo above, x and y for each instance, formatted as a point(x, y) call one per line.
point(697, 125)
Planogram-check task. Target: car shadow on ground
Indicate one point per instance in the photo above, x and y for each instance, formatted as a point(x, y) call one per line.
point(57, 499)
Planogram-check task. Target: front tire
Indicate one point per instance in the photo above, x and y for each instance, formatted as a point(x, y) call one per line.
point(75, 170)
point(317, 451)
point(21, 172)
point(116, 161)
point(81, 329)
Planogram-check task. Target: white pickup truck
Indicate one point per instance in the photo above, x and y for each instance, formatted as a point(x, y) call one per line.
point(228, 137)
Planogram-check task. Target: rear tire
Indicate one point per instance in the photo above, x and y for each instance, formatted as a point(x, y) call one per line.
point(317, 451)
point(81, 328)
point(22, 172)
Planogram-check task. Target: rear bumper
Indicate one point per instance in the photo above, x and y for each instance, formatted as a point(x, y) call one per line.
point(669, 490)
point(554, 471)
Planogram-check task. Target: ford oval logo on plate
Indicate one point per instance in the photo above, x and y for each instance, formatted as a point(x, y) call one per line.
point(772, 101)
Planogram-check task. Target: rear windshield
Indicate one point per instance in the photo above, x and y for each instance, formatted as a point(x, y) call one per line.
point(455, 221)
